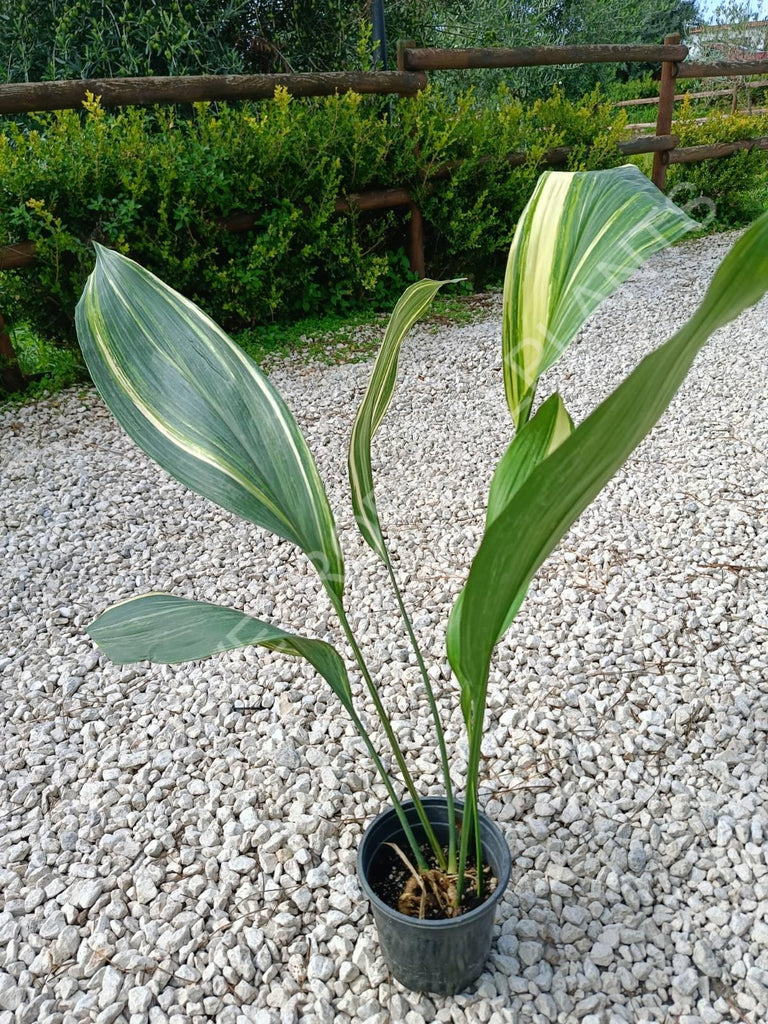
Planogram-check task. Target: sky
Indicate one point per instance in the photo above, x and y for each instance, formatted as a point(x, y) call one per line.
point(708, 8)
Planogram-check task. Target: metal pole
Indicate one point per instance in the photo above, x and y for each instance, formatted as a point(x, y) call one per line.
point(379, 34)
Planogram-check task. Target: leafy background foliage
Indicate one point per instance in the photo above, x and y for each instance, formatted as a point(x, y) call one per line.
point(46, 39)
point(156, 187)
point(41, 40)
point(736, 185)
point(156, 184)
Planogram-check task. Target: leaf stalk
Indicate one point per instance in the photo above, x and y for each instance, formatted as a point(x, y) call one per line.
point(451, 864)
point(390, 734)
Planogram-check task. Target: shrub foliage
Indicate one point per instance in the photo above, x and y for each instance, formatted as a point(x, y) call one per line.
point(157, 186)
point(733, 189)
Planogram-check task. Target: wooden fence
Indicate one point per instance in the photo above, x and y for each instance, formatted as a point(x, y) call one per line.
point(672, 55)
point(28, 97)
point(733, 94)
point(413, 64)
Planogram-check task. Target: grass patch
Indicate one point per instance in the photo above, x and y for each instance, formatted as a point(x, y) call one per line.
point(330, 339)
point(347, 339)
point(49, 368)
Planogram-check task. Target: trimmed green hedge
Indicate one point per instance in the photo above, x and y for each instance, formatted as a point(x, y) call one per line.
point(727, 192)
point(156, 184)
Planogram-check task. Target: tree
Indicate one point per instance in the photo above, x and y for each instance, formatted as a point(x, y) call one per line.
point(622, 21)
point(305, 35)
point(548, 22)
point(59, 39)
point(737, 31)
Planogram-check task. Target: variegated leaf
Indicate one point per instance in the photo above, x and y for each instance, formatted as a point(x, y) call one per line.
point(580, 236)
point(167, 630)
point(412, 304)
point(197, 405)
point(540, 436)
point(560, 488)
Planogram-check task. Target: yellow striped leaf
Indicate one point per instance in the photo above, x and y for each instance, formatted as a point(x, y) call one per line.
point(197, 405)
point(412, 304)
point(580, 236)
point(558, 490)
point(167, 630)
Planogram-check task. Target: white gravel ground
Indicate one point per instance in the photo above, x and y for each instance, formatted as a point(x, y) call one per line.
point(178, 845)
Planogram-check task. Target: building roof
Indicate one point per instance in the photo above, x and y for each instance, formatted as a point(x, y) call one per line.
point(711, 28)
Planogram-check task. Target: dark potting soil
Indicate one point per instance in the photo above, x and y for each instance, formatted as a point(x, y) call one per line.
point(394, 883)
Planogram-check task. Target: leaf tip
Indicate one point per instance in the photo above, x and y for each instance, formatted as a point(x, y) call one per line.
point(103, 253)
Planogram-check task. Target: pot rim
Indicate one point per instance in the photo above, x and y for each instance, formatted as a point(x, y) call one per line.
point(449, 922)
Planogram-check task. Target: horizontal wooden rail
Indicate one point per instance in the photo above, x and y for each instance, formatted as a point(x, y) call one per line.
point(693, 154)
point(416, 59)
point(721, 69)
point(651, 144)
point(383, 199)
point(653, 100)
point(20, 254)
point(646, 125)
point(23, 254)
point(26, 97)
point(559, 155)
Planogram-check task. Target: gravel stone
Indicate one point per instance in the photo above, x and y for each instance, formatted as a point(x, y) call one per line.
point(11, 996)
point(317, 878)
point(601, 954)
point(636, 858)
point(111, 984)
point(140, 999)
point(320, 967)
point(84, 894)
point(530, 952)
point(705, 959)
point(686, 982)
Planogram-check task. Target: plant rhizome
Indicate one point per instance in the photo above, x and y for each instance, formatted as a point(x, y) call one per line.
point(431, 894)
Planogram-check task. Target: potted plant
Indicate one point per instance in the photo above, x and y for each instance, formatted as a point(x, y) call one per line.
point(433, 869)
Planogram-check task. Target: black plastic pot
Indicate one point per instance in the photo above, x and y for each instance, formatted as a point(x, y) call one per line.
point(433, 956)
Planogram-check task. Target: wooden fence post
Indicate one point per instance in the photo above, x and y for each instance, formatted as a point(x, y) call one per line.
point(11, 377)
point(666, 112)
point(402, 46)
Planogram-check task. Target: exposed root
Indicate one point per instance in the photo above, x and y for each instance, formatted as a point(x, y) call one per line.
point(432, 894)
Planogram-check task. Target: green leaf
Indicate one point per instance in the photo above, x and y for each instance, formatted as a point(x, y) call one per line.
point(535, 441)
point(198, 406)
point(580, 236)
point(560, 488)
point(412, 304)
point(167, 630)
